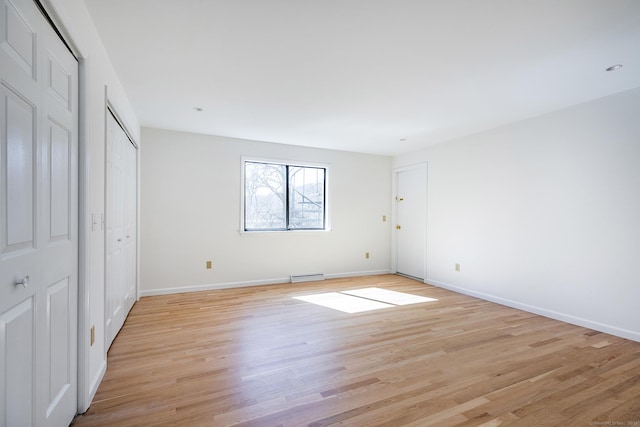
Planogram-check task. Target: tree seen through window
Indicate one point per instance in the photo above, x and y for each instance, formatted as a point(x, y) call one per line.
point(284, 197)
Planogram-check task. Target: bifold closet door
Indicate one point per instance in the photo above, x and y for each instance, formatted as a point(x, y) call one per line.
point(38, 220)
point(121, 229)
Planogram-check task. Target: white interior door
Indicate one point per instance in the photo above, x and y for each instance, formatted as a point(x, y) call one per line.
point(114, 232)
point(121, 228)
point(38, 221)
point(411, 225)
point(130, 222)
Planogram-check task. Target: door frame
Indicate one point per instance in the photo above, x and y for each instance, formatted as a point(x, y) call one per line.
point(394, 214)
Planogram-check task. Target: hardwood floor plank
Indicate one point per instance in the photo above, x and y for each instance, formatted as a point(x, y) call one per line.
point(258, 357)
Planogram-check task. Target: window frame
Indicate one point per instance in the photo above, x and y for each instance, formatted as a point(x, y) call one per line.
point(287, 164)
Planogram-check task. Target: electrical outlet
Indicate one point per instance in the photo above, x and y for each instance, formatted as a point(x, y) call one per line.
point(92, 334)
point(457, 267)
point(366, 255)
point(209, 265)
point(384, 218)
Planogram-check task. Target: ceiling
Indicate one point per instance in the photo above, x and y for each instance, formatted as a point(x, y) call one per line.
point(375, 76)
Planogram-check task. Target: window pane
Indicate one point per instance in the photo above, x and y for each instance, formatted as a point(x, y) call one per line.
point(306, 197)
point(265, 196)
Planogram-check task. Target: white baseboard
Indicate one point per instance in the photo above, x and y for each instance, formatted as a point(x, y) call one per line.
point(357, 274)
point(609, 329)
point(213, 286)
point(228, 285)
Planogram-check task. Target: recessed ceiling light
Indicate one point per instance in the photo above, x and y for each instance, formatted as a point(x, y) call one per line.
point(197, 109)
point(614, 67)
point(403, 139)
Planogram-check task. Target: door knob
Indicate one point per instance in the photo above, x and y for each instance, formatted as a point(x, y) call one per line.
point(24, 282)
point(398, 227)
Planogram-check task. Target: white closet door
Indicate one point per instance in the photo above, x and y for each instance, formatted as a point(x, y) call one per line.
point(113, 273)
point(130, 223)
point(121, 229)
point(411, 230)
point(38, 221)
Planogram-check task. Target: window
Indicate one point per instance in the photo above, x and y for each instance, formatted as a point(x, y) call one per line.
point(279, 196)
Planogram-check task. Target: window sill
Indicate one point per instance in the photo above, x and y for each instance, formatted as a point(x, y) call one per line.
point(248, 232)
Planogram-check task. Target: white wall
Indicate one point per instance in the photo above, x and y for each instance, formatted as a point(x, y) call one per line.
point(190, 213)
point(543, 214)
point(96, 73)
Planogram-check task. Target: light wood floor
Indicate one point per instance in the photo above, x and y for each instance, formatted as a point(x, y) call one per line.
point(257, 357)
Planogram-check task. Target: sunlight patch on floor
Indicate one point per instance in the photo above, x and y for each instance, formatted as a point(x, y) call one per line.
point(390, 297)
point(344, 303)
point(365, 299)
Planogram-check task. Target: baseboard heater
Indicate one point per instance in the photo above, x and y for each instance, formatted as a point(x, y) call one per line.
point(298, 278)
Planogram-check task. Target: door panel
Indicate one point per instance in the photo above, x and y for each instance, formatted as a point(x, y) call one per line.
point(18, 159)
point(60, 83)
point(38, 220)
point(412, 219)
point(60, 380)
point(17, 360)
point(20, 38)
point(60, 174)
